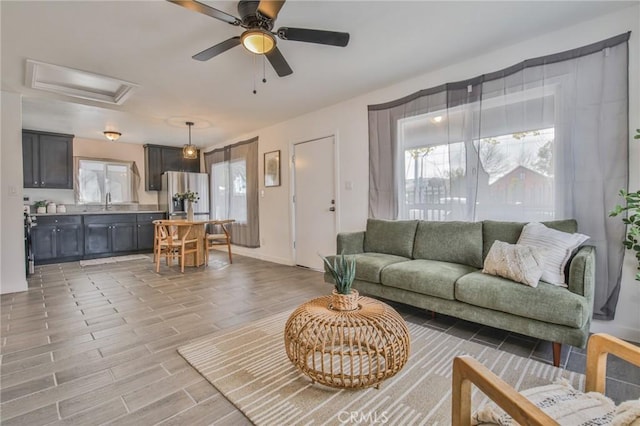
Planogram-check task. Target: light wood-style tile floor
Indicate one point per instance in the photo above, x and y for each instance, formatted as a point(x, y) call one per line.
point(97, 344)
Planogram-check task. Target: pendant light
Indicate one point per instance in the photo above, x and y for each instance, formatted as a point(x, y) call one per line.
point(190, 151)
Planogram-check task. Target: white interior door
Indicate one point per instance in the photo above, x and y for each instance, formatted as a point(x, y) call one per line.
point(314, 201)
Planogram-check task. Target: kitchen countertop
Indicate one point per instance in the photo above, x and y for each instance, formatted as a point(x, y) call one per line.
point(99, 212)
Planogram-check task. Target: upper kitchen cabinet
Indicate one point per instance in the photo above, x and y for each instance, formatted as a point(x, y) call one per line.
point(159, 159)
point(47, 160)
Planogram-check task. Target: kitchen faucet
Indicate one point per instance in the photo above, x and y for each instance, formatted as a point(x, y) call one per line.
point(107, 200)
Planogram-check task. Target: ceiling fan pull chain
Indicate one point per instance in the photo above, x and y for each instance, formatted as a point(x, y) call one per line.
point(264, 72)
point(254, 75)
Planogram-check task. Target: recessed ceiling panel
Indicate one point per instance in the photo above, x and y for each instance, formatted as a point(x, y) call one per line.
point(76, 83)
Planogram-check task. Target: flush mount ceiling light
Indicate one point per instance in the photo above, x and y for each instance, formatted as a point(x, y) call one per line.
point(111, 135)
point(258, 41)
point(190, 151)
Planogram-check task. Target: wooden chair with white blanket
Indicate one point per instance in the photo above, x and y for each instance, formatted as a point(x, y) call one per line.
point(557, 404)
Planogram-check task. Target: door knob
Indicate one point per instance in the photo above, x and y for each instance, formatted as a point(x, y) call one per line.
point(332, 209)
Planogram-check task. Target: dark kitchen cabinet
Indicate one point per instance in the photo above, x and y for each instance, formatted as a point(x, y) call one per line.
point(110, 233)
point(61, 238)
point(146, 229)
point(47, 160)
point(58, 237)
point(160, 159)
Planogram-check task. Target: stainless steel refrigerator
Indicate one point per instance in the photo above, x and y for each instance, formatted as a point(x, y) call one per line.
point(180, 182)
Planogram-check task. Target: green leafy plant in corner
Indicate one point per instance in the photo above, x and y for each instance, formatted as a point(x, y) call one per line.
point(632, 210)
point(343, 272)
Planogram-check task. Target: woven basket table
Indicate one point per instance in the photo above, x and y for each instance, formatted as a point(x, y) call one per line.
point(350, 349)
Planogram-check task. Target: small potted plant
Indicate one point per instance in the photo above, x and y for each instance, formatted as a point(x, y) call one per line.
point(343, 272)
point(41, 206)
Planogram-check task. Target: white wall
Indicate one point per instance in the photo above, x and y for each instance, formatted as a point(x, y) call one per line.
point(348, 121)
point(12, 267)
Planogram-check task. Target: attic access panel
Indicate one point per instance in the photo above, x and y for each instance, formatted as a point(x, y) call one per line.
point(76, 83)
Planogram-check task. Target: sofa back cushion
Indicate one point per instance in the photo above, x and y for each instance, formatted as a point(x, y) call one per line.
point(390, 236)
point(456, 242)
point(509, 232)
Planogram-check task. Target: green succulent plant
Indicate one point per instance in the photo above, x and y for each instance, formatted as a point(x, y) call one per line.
point(343, 272)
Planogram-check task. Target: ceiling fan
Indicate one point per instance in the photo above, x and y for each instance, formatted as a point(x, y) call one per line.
point(257, 18)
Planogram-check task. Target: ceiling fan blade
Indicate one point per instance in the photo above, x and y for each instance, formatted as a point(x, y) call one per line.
point(209, 53)
point(207, 10)
point(332, 38)
point(270, 8)
point(279, 63)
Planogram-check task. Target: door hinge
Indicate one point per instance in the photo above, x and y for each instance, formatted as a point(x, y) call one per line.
point(293, 159)
point(294, 244)
point(294, 198)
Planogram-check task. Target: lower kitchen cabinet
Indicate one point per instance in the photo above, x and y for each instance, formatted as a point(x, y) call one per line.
point(58, 237)
point(110, 233)
point(146, 229)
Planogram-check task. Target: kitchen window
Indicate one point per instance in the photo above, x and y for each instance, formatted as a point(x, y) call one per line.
point(97, 178)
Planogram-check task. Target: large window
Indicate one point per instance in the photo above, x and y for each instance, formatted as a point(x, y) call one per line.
point(544, 139)
point(229, 183)
point(515, 177)
point(98, 178)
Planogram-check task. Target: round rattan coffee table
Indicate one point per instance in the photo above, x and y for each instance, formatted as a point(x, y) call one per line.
point(347, 349)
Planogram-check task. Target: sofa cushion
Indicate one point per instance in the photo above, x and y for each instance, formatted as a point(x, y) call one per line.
point(456, 242)
point(509, 232)
point(390, 236)
point(430, 277)
point(370, 265)
point(547, 302)
point(557, 247)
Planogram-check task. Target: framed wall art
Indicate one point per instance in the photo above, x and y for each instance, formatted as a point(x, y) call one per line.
point(272, 168)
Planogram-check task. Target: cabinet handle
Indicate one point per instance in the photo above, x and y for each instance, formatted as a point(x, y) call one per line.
point(35, 183)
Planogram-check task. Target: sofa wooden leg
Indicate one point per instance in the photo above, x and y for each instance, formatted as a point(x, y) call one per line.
point(557, 350)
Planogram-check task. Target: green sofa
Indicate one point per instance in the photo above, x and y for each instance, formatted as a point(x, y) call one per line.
point(438, 266)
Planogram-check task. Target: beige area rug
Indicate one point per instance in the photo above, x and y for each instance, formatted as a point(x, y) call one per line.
point(249, 366)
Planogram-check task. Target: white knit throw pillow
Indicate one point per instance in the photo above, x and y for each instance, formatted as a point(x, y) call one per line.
point(516, 262)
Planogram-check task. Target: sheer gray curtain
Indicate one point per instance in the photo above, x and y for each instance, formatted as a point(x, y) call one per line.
point(233, 173)
point(544, 139)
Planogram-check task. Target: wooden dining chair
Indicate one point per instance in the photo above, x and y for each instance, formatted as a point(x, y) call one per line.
point(218, 234)
point(173, 239)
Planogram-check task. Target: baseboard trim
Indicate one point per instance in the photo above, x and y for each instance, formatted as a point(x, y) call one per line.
point(244, 251)
point(622, 332)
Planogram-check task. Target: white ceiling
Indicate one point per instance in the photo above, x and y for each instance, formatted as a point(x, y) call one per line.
point(150, 43)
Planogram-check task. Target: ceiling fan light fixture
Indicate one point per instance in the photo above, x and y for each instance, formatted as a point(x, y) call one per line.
point(111, 135)
point(258, 41)
point(190, 152)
